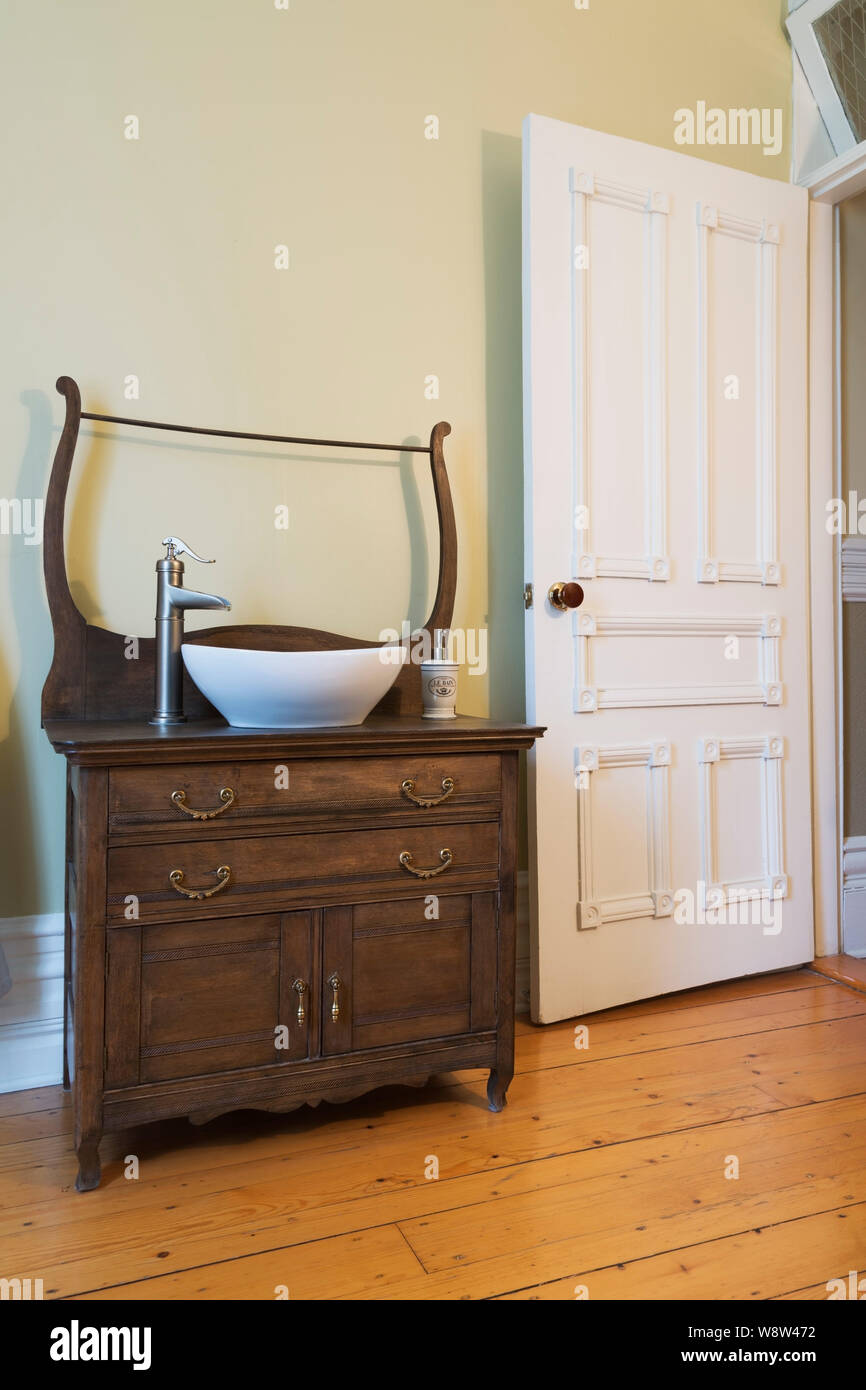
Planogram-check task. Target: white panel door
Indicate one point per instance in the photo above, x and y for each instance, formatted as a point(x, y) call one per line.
point(665, 389)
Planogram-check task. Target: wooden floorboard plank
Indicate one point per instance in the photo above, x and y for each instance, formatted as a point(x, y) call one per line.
point(748, 986)
point(675, 1186)
point(25, 1102)
point(848, 970)
point(558, 1044)
point(812, 1294)
point(36, 1124)
point(346, 1267)
point(754, 1265)
point(490, 1279)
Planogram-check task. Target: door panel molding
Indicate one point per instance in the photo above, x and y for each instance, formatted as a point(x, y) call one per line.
point(764, 235)
point(657, 900)
point(766, 690)
point(773, 882)
point(653, 207)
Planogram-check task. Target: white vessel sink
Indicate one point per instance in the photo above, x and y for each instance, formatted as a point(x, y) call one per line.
point(293, 690)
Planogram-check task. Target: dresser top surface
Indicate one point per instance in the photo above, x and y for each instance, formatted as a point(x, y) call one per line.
point(99, 742)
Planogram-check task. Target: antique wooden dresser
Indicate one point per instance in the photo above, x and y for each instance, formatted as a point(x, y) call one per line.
point(271, 918)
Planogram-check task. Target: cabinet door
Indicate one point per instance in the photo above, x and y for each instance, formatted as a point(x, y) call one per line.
point(197, 998)
point(395, 972)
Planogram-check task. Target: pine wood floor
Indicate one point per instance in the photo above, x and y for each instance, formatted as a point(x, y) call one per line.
point(606, 1169)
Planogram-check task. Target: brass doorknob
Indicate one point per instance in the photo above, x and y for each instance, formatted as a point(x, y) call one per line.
point(564, 595)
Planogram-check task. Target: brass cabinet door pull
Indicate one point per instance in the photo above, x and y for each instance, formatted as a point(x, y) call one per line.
point(227, 796)
point(444, 854)
point(223, 873)
point(407, 787)
point(301, 987)
point(335, 984)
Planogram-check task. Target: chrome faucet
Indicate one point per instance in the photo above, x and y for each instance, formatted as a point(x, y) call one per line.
point(171, 600)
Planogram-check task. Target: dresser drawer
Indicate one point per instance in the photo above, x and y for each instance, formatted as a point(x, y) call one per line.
point(196, 799)
point(161, 882)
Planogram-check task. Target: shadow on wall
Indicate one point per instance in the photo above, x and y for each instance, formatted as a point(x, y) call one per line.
point(502, 233)
point(419, 555)
point(91, 468)
point(502, 184)
point(28, 861)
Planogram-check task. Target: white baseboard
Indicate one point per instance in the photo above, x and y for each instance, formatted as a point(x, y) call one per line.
point(31, 1054)
point(31, 1008)
point(854, 896)
point(854, 569)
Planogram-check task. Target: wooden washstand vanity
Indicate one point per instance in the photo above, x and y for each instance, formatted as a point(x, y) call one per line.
point(316, 941)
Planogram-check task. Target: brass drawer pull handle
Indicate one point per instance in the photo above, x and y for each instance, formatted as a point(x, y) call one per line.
point(227, 796)
point(301, 987)
point(335, 984)
point(223, 873)
point(444, 854)
point(408, 789)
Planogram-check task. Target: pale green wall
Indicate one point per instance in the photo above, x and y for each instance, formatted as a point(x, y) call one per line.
point(155, 257)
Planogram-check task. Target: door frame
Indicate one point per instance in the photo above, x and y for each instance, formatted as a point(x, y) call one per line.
point(829, 186)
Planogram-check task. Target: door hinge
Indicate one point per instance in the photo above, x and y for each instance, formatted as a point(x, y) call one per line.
point(527, 595)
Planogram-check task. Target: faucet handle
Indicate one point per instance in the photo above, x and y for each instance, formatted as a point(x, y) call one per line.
point(178, 547)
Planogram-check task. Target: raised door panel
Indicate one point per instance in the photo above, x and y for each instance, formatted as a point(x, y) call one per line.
point(400, 972)
point(189, 1000)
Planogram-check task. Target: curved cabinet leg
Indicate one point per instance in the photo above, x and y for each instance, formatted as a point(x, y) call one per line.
point(89, 1168)
point(497, 1085)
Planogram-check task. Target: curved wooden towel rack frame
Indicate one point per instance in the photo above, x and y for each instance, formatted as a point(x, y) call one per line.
point(90, 676)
